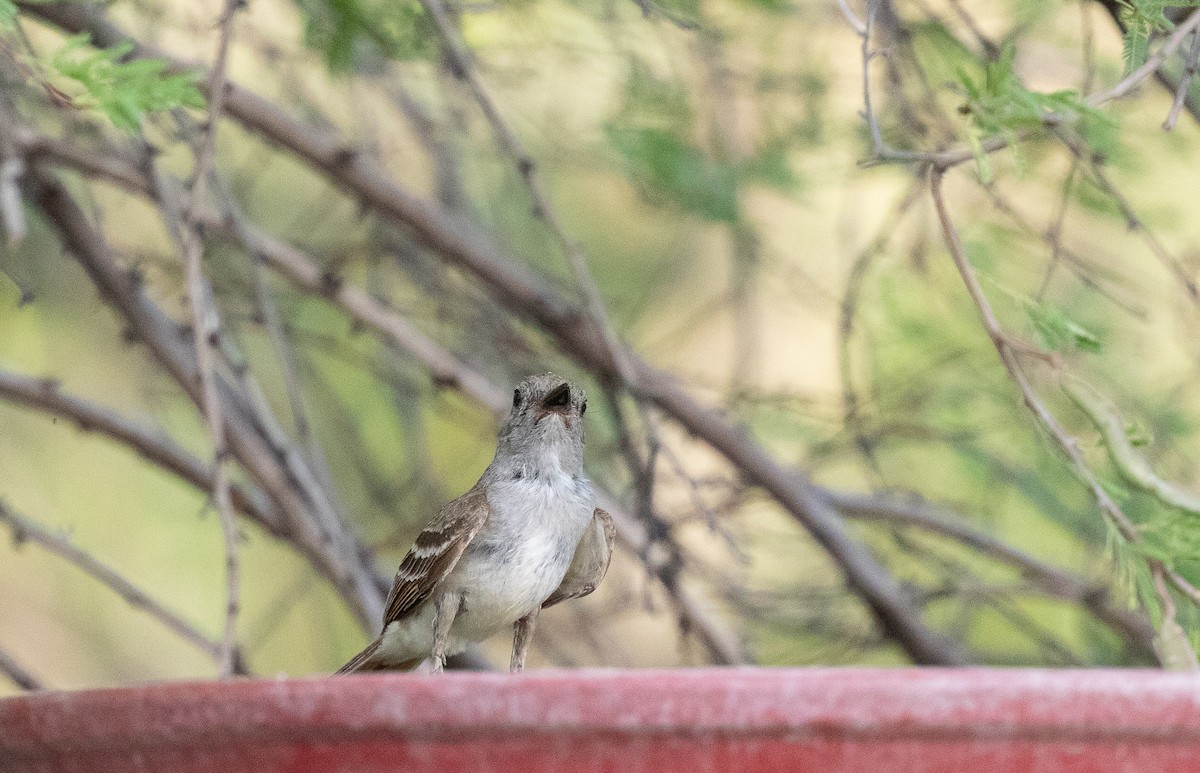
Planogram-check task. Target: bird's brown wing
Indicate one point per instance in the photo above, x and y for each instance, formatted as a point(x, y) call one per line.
point(435, 553)
point(590, 562)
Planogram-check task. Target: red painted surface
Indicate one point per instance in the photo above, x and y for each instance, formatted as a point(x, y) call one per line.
point(689, 721)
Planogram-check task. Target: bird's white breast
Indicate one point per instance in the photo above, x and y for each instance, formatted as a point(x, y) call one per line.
point(523, 550)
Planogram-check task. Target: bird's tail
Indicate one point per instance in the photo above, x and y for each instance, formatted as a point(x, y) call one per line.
point(365, 661)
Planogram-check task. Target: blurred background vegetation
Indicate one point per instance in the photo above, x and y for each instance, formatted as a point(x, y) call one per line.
point(707, 158)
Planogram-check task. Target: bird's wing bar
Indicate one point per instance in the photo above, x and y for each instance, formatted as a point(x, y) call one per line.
point(435, 553)
point(590, 562)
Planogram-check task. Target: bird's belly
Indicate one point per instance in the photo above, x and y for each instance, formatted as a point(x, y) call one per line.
point(497, 590)
point(502, 586)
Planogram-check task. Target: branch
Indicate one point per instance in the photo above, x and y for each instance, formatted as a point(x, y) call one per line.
point(169, 344)
point(446, 369)
point(18, 674)
point(945, 159)
point(463, 67)
point(526, 296)
point(1120, 521)
point(1133, 627)
point(24, 530)
point(1185, 84)
point(1007, 351)
point(1150, 66)
point(205, 336)
point(46, 395)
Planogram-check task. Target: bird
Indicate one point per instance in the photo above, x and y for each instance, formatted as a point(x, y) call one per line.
point(526, 536)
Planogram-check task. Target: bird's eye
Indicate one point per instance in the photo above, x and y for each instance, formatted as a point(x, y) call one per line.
point(516, 397)
point(583, 408)
point(559, 398)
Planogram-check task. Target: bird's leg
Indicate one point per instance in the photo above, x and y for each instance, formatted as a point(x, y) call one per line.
point(445, 607)
point(522, 636)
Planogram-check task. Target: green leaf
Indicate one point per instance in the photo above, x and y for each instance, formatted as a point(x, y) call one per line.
point(1000, 104)
point(350, 34)
point(123, 91)
point(771, 6)
point(772, 167)
point(1058, 331)
point(1143, 19)
point(679, 171)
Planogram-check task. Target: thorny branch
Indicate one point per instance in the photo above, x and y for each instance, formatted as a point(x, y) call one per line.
point(206, 331)
point(1005, 347)
point(945, 159)
point(25, 530)
point(17, 673)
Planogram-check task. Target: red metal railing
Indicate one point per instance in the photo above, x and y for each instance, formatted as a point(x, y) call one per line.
point(689, 721)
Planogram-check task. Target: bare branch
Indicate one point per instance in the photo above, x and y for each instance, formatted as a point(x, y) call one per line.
point(24, 530)
point(18, 673)
point(169, 344)
point(1150, 66)
point(1093, 596)
point(46, 395)
point(12, 212)
point(1185, 83)
point(852, 19)
point(1007, 350)
point(523, 294)
point(205, 336)
point(463, 67)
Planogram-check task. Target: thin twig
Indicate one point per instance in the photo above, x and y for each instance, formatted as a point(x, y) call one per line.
point(1007, 352)
point(864, 31)
point(272, 320)
point(1175, 648)
point(852, 19)
point(206, 332)
point(1053, 581)
point(1150, 66)
point(650, 8)
point(48, 396)
point(848, 310)
point(1084, 269)
point(1054, 231)
point(463, 67)
point(25, 530)
point(18, 674)
point(12, 211)
point(1185, 83)
point(1135, 223)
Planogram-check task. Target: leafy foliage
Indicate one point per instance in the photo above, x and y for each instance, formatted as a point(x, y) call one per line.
point(1057, 331)
point(349, 32)
point(123, 91)
point(670, 167)
point(1142, 20)
point(999, 103)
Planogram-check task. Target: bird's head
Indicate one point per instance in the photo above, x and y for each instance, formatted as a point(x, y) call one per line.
point(546, 409)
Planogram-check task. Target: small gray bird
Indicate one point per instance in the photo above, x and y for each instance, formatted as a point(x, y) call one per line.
point(527, 535)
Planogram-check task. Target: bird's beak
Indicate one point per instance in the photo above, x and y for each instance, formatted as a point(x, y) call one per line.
point(557, 402)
